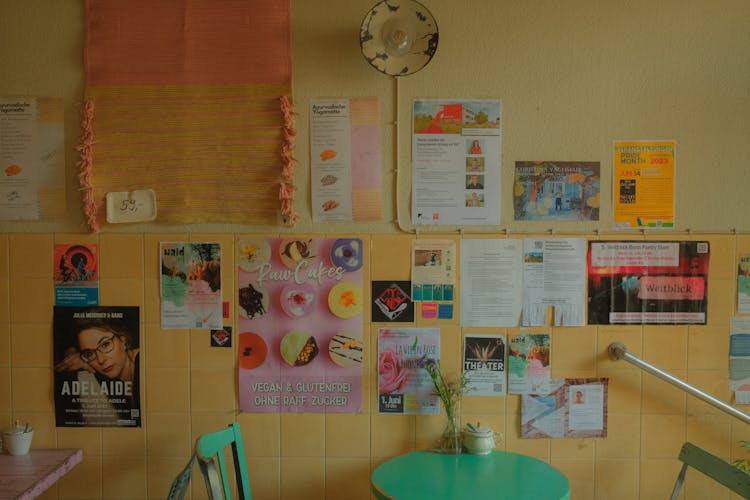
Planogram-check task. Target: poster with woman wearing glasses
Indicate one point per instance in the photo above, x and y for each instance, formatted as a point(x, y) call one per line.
point(97, 366)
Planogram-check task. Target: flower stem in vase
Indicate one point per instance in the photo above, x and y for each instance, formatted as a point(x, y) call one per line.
point(451, 439)
point(450, 396)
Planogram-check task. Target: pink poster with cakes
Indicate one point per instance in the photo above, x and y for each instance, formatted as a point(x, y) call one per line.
point(300, 342)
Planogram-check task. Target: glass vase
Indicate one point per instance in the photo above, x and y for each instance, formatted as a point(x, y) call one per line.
point(450, 441)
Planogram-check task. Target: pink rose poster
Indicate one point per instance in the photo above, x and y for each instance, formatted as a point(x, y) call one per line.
point(404, 386)
point(300, 336)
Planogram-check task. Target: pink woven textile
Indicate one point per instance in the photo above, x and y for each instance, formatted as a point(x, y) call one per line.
point(191, 98)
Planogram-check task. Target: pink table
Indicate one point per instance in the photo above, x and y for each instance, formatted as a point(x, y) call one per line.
point(28, 476)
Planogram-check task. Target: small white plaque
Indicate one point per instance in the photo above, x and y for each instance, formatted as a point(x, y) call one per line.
point(742, 397)
point(131, 206)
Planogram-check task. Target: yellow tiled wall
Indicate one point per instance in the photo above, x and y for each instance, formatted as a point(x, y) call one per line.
point(190, 388)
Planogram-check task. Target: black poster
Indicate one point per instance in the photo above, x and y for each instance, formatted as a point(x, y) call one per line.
point(648, 282)
point(97, 366)
point(391, 303)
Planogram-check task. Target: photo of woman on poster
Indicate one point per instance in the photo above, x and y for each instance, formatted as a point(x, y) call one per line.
point(97, 364)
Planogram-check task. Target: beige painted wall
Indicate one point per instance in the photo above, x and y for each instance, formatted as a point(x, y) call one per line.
point(573, 77)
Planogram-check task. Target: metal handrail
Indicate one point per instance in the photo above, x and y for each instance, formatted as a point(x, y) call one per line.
point(617, 350)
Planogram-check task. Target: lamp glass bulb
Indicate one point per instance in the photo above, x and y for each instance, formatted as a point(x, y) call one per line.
point(398, 36)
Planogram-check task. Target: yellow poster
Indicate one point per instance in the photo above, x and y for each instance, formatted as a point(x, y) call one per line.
point(643, 184)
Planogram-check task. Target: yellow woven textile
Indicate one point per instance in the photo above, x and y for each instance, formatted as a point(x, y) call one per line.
point(192, 112)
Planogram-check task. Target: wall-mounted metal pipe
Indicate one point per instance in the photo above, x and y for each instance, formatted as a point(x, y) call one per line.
point(617, 350)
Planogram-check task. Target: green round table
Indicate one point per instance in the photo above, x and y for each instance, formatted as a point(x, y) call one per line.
point(499, 475)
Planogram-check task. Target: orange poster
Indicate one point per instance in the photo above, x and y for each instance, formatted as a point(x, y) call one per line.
point(643, 184)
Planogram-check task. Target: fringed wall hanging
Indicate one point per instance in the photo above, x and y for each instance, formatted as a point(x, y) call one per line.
point(192, 99)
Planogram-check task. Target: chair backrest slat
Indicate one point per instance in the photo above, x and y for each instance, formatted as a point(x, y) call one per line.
point(714, 467)
point(210, 451)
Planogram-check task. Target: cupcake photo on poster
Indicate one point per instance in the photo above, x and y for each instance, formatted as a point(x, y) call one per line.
point(301, 341)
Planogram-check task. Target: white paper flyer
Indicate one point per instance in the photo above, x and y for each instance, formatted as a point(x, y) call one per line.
point(330, 160)
point(20, 156)
point(743, 284)
point(491, 282)
point(739, 359)
point(554, 278)
point(345, 171)
point(456, 150)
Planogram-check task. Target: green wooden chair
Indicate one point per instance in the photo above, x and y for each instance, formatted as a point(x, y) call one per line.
point(209, 449)
point(714, 467)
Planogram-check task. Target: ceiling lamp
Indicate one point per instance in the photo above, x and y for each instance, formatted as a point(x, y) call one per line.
point(398, 37)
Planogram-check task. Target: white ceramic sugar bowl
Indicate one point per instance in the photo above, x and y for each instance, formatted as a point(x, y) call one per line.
point(481, 440)
point(17, 439)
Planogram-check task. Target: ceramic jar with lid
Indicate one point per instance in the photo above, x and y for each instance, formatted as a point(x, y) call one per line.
point(481, 440)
